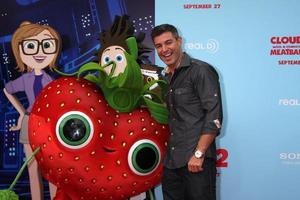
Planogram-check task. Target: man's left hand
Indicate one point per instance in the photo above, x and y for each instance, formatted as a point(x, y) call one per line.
point(195, 164)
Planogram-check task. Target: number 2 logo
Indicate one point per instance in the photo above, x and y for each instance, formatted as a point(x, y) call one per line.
point(222, 157)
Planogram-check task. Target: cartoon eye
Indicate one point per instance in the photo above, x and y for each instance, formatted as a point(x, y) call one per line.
point(30, 45)
point(74, 129)
point(49, 46)
point(119, 57)
point(46, 45)
point(149, 79)
point(106, 59)
point(144, 157)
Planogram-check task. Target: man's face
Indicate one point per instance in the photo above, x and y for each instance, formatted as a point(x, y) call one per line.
point(168, 48)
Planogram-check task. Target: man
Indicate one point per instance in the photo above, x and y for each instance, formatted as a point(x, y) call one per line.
point(195, 116)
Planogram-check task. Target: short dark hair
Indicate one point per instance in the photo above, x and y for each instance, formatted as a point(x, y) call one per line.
point(158, 30)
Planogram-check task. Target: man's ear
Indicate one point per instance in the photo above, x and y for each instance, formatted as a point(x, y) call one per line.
point(179, 39)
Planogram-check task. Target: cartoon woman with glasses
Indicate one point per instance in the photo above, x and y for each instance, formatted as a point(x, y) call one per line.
point(35, 47)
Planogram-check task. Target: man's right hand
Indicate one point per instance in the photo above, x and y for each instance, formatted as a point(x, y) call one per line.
point(195, 164)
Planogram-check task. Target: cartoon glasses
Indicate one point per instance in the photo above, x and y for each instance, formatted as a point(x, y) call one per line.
point(32, 46)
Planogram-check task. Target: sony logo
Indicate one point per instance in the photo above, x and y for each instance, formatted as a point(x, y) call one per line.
point(290, 156)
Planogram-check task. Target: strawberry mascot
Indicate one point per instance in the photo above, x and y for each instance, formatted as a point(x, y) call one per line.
point(102, 134)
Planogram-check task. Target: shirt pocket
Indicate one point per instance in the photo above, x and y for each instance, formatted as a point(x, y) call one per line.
point(182, 96)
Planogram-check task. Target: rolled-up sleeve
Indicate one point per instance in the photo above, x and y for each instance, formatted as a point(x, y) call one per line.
point(208, 89)
point(16, 85)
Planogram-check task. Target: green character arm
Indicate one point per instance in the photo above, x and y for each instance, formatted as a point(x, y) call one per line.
point(158, 111)
point(156, 105)
point(132, 46)
point(91, 66)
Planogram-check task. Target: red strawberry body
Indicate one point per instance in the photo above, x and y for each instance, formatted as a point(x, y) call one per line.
point(90, 151)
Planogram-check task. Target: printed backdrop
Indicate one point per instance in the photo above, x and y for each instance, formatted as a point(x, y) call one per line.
point(255, 47)
point(79, 22)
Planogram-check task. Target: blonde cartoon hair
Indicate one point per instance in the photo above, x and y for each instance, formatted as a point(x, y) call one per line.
point(28, 29)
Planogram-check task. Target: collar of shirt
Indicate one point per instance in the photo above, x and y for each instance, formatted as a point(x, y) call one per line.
point(32, 74)
point(185, 62)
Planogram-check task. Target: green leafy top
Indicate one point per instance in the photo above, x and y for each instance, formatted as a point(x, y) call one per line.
point(119, 75)
point(127, 91)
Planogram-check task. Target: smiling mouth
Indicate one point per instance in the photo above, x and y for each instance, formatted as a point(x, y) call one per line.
point(167, 56)
point(39, 59)
point(109, 150)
